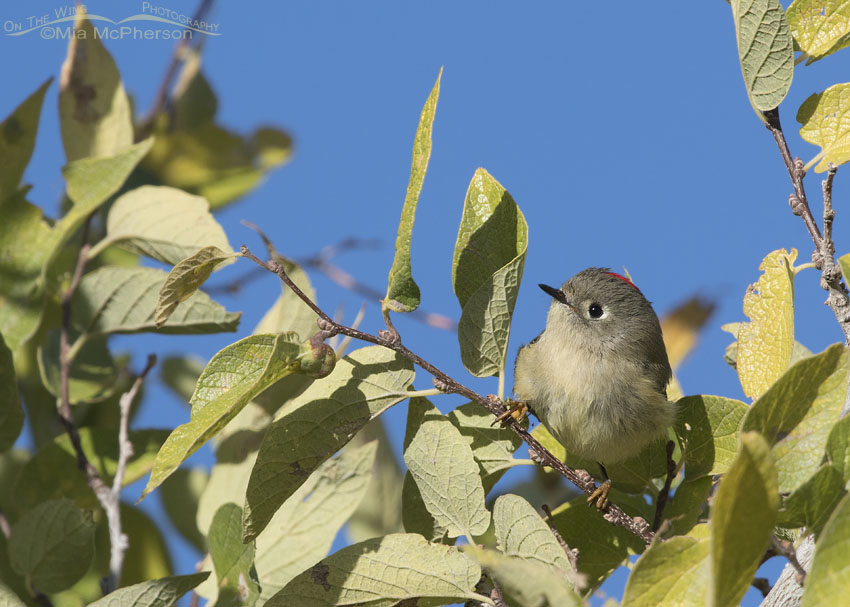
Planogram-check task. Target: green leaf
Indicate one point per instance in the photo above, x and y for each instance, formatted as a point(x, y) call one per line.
point(91, 181)
point(26, 241)
point(165, 224)
point(304, 528)
point(53, 544)
point(671, 572)
point(797, 413)
point(707, 427)
point(525, 582)
point(742, 518)
point(115, 299)
point(492, 446)
point(231, 379)
point(17, 140)
point(811, 504)
point(402, 291)
point(94, 111)
point(602, 546)
point(766, 51)
point(819, 27)
point(688, 505)
point(181, 373)
point(441, 462)
point(823, 117)
point(829, 576)
point(94, 373)
point(11, 413)
point(766, 342)
point(233, 560)
point(838, 447)
point(319, 422)
point(289, 312)
point(9, 598)
point(163, 592)
point(844, 262)
point(486, 271)
point(148, 557)
point(53, 473)
point(521, 533)
point(185, 278)
point(383, 571)
point(181, 493)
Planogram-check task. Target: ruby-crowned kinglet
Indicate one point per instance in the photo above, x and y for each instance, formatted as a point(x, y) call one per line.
point(597, 375)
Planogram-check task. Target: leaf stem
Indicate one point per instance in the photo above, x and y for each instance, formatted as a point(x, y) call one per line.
point(444, 383)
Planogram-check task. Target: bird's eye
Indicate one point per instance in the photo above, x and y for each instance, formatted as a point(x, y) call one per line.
point(595, 310)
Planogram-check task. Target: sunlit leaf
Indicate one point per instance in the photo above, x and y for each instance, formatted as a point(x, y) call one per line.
point(671, 572)
point(765, 49)
point(154, 593)
point(819, 27)
point(17, 140)
point(829, 576)
point(382, 572)
point(825, 123)
point(91, 181)
point(94, 111)
point(707, 427)
point(487, 268)
point(231, 379)
point(52, 544)
point(402, 291)
point(798, 412)
point(441, 463)
point(185, 279)
point(492, 446)
point(9, 598)
point(743, 514)
point(304, 528)
point(766, 342)
point(233, 561)
point(318, 422)
point(289, 312)
point(181, 373)
point(115, 299)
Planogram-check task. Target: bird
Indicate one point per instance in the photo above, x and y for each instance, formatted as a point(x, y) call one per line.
point(597, 375)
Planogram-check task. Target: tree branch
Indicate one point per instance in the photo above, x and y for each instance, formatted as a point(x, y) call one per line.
point(443, 382)
point(572, 553)
point(664, 495)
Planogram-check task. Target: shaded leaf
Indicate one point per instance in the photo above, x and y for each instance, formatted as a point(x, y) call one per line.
point(304, 528)
point(838, 447)
point(11, 413)
point(682, 325)
point(486, 271)
point(181, 373)
point(17, 140)
point(743, 514)
point(829, 576)
point(384, 571)
point(181, 493)
point(94, 373)
point(185, 278)
point(289, 312)
point(52, 544)
point(766, 342)
point(231, 379)
point(165, 224)
point(824, 122)
point(317, 423)
point(115, 299)
point(819, 27)
point(94, 111)
point(163, 592)
point(688, 505)
point(441, 463)
point(492, 446)
point(233, 560)
point(766, 50)
point(707, 427)
point(671, 572)
point(798, 412)
point(148, 556)
point(402, 291)
point(812, 502)
point(525, 582)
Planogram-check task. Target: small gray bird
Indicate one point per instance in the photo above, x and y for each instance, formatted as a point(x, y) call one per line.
point(597, 375)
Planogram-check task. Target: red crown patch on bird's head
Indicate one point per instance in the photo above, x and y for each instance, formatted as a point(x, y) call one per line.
point(624, 279)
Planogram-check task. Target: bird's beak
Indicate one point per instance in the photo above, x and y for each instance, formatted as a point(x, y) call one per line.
point(558, 295)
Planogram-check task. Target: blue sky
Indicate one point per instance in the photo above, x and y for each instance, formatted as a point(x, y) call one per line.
point(623, 133)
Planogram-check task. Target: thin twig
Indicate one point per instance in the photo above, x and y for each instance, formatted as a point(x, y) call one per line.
point(664, 494)
point(572, 553)
point(824, 254)
point(171, 71)
point(786, 549)
point(328, 328)
point(496, 594)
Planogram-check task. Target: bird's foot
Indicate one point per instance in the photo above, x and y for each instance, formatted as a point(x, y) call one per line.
point(516, 409)
point(600, 496)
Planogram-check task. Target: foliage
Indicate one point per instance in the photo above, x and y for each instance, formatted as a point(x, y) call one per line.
point(293, 427)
